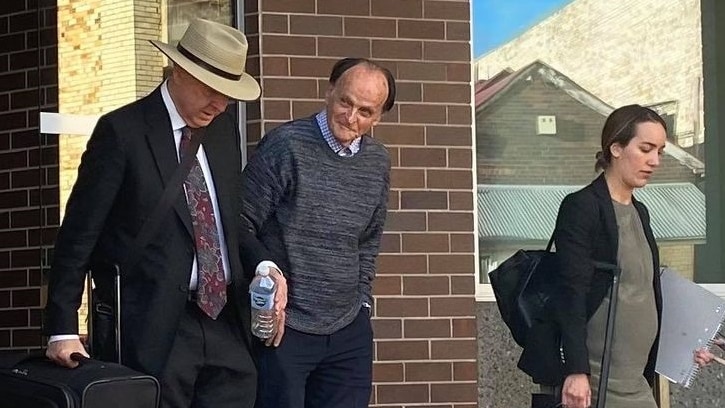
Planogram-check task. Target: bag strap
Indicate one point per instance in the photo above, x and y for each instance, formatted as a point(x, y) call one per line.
point(170, 193)
point(551, 241)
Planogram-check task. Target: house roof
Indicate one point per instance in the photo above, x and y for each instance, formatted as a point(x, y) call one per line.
point(487, 91)
point(522, 213)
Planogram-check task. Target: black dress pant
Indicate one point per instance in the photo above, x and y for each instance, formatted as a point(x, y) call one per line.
point(316, 371)
point(210, 364)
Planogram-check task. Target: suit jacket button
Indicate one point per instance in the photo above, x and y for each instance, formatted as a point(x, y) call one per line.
point(183, 287)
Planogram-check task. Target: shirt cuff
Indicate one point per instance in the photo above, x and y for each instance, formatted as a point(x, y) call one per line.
point(267, 264)
point(59, 337)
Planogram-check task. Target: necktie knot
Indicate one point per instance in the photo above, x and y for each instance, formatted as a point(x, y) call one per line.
point(186, 135)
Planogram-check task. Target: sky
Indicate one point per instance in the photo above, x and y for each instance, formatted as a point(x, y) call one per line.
point(497, 21)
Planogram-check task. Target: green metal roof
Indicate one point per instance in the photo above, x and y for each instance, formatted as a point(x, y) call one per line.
point(528, 213)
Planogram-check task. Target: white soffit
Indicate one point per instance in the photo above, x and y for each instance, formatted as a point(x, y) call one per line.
point(67, 124)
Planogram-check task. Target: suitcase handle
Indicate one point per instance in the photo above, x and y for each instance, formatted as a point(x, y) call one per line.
point(80, 358)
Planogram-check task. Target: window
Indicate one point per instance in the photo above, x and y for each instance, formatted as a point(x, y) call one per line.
point(541, 97)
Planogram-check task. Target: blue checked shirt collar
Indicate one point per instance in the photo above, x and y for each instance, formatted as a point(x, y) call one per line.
point(336, 147)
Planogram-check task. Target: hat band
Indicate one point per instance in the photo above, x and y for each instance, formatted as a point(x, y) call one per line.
point(207, 66)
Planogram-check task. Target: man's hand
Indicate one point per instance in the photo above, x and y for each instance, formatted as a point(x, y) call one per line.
point(60, 351)
point(280, 304)
point(278, 331)
point(703, 356)
point(280, 297)
point(719, 341)
point(576, 392)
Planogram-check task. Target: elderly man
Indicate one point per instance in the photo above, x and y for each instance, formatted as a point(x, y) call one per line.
point(315, 192)
point(185, 309)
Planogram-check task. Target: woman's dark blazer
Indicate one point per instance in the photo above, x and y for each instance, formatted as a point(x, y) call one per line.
point(586, 231)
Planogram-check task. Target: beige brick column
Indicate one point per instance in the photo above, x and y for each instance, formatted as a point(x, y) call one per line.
point(104, 61)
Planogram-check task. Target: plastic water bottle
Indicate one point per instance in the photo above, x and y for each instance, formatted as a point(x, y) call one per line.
point(262, 290)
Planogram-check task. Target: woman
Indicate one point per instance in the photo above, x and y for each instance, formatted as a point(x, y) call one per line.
point(605, 223)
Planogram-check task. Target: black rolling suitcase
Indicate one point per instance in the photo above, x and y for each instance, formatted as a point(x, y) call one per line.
point(33, 381)
point(554, 400)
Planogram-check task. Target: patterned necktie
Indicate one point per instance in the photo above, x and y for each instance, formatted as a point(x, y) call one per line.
point(212, 288)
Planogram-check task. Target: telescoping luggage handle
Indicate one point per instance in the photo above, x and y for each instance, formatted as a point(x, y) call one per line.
point(611, 314)
point(117, 305)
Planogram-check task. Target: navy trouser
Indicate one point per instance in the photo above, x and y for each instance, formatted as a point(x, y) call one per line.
point(316, 371)
point(210, 365)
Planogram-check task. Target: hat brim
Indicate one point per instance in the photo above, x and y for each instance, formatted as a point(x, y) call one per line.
point(245, 88)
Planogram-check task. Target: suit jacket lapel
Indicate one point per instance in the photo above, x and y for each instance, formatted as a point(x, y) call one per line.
point(607, 211)
point(159, 137)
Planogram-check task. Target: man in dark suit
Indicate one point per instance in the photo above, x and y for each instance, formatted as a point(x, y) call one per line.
point(184, 306)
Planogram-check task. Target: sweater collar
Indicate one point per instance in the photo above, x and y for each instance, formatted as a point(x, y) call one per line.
point(336, 147)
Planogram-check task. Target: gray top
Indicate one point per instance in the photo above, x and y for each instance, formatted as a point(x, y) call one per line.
point(635, 326)
point(321, 216)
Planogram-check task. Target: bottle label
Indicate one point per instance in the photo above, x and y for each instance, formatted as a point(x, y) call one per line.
point(262, 301)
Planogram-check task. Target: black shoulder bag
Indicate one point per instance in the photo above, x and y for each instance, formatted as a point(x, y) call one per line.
point(523, 285)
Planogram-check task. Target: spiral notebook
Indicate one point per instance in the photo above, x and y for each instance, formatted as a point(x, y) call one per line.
point(691, 318)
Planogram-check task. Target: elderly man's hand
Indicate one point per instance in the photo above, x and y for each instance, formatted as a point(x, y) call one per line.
point(60, 352)
point(275, 340)
point(280, 304)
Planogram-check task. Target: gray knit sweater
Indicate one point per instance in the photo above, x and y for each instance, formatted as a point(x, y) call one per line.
point(321, 216)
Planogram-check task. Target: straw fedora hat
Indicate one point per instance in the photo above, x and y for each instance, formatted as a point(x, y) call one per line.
point(215, 54)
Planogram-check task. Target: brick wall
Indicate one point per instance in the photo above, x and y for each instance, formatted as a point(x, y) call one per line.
point(425, 327)
point(623, 51)
point(28, 165)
